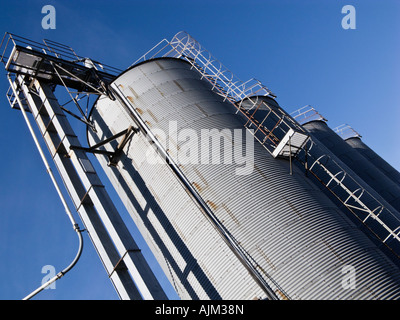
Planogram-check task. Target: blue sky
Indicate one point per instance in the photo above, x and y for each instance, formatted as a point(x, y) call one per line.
point(296, 48)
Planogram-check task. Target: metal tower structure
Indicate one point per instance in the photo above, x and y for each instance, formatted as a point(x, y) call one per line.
point(34, 71)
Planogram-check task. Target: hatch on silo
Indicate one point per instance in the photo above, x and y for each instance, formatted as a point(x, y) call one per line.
point(291, 144)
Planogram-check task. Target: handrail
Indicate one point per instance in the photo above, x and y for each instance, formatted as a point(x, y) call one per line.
point(306, 114)
point(50, 48)
point(346, 132)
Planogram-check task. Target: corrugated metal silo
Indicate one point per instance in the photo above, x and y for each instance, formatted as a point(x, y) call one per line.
point(353, 138)
point(389, 190)
point(316, 160)
point(375, 159)
point(297, 238)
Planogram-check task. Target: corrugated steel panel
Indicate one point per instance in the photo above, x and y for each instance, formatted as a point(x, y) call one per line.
point(288, 226)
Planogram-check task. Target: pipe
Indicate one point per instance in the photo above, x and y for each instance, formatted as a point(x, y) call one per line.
point(67, 210)
point(63, 272)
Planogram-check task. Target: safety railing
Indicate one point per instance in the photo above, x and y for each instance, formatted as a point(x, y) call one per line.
point(50, 48)
point(269, 124)
point(346, 132)
point(306, 114)
point(60, 65)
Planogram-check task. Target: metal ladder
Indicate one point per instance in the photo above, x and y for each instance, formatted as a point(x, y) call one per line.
point(379, 220)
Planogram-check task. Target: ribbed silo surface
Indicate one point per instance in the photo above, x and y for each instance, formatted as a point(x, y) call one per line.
point(375, 159)
point(389, 190)
point(293, 232)
point(318, 152)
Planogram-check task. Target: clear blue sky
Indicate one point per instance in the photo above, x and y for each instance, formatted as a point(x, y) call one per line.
point(297, 48)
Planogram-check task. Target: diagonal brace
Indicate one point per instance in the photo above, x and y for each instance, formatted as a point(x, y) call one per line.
point(113, 155)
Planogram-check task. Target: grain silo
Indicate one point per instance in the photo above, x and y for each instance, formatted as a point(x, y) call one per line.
point(292, 234)
point(204, 167)
point(353, 138)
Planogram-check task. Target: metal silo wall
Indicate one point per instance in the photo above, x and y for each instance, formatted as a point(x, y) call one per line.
point(375, 159)
point(290, 228)
point(387, 189)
